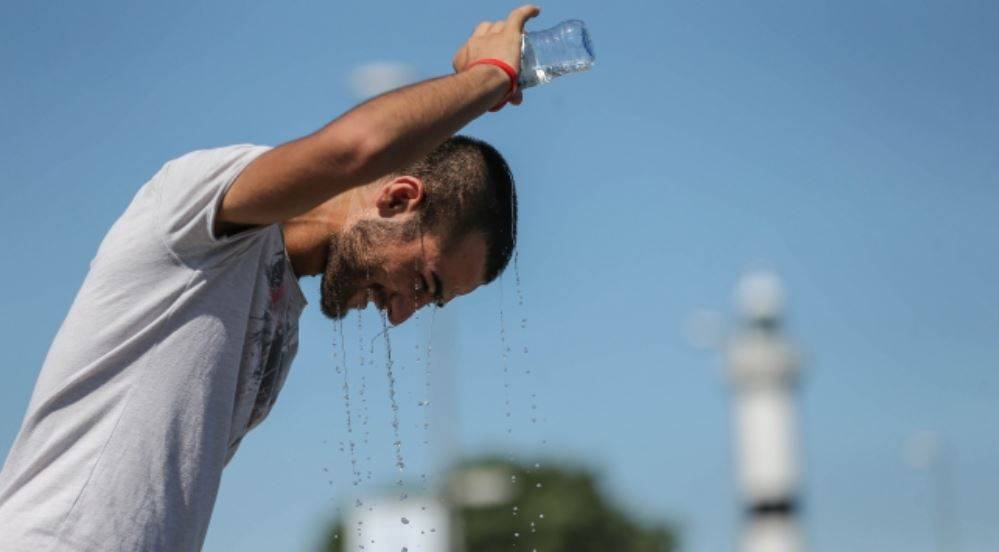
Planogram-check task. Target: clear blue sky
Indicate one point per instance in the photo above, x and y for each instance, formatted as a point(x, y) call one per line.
point(851, 146)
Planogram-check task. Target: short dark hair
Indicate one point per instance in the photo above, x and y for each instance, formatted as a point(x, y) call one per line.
point(469, 188)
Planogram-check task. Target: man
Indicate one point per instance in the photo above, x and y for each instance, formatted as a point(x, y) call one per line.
point(182, 334)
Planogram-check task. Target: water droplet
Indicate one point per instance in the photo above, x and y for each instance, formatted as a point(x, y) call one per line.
point(538, 485)
point(516, 535)
point(399, 461)
point(405, 521)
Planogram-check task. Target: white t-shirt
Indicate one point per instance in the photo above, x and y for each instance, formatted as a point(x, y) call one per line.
point(176, 345)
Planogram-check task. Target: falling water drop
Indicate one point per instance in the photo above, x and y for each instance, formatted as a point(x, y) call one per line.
point(523, 326)
point(427, 373)
point(362, 394)
point(400, 463)
point(505, 356)
point(516, 276)
point(355, 472)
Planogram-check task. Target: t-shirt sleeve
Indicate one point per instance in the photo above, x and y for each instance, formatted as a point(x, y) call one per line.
point(189, 192)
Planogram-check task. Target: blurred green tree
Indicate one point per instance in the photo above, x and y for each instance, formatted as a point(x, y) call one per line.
point(549, 509)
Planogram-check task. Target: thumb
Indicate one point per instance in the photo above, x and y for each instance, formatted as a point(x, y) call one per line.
point(520, 15)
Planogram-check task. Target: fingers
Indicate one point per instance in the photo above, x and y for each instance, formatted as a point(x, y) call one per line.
point(489, 27)
point(520, 15)
point(482, 29)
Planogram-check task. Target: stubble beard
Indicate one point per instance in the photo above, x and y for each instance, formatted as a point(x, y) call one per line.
point(349, 268)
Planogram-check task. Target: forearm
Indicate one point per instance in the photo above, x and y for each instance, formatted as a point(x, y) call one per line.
point(404, 125)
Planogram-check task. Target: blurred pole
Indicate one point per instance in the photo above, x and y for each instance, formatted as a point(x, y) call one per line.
point(444, 416)
point(763, 372)
point(926, 452)
point(944, 505)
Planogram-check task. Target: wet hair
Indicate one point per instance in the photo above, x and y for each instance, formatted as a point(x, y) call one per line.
point(469, 189)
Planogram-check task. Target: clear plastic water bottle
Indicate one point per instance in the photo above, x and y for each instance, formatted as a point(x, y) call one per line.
point(563, 49)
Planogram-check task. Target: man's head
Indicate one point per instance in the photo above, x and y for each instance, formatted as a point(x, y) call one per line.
point(435, 230)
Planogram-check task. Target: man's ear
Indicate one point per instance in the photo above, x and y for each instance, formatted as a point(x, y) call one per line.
point(403, 194)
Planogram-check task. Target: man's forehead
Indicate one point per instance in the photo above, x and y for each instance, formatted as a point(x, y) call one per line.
point(462, 267)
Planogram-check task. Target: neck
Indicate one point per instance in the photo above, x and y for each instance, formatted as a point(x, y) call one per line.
point(306, 236)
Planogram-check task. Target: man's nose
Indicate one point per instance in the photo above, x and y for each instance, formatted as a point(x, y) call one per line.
point(405, 308)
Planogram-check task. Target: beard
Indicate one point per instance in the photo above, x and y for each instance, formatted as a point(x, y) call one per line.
point(352, 260)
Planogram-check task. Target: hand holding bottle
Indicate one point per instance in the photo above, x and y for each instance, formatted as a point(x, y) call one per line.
point(498, 40)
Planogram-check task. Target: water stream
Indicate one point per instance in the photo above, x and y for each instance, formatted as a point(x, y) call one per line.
point(355, 472)
point(400, 463)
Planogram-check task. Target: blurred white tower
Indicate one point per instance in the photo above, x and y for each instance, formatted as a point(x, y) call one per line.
point(763, 371)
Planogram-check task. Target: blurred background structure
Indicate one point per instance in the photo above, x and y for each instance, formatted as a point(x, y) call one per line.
point(763, 369)
point(492, 505)
point(849, 146)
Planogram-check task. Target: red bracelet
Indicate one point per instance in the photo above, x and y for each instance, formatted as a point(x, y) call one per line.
point(506, 69)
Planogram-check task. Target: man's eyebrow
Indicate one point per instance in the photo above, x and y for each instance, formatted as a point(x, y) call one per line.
point(438, 288)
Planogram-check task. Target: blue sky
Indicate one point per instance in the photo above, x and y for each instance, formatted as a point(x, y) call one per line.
point(850, 146)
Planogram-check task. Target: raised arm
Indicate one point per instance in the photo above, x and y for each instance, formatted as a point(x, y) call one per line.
point(378, 136)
